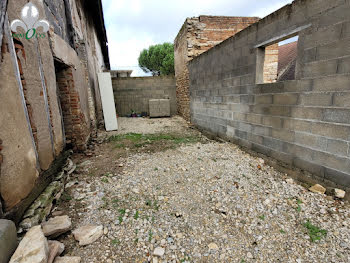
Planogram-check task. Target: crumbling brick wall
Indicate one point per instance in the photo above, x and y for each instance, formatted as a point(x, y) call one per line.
point(76, 129)
point(197, 35)
point(303, 123)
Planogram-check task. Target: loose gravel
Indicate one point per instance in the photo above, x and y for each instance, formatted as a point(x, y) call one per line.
point(202, 201)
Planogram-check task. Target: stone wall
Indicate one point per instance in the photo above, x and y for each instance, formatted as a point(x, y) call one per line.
point(303, 123)
point(133, 94)
point(31, 116)
point(197, 35)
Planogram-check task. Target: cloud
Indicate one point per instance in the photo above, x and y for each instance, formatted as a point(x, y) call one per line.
point(133, 25)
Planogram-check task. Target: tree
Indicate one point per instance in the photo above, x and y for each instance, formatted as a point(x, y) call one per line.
point(158, 59)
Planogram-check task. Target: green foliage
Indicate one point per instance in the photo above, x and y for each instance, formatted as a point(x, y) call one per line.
point(158, 59)
point(315, 233)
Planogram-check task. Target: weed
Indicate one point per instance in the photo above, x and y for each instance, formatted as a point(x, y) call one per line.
point(262, 217)
point(122, 212)
point(136, 216)
point(155, 169)
point(315, 233)
point(115, 242)
point(148, 202)
point(186, 258)
point(150, 236)
point(282, 231)
point(105, 180)
point(120, 219)
point(66, 197)
point(153, 219)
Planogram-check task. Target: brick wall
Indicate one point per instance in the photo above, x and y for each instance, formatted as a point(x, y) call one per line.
point(75, 127)
point(133, 94)
point(303, 123)
point(197, 35)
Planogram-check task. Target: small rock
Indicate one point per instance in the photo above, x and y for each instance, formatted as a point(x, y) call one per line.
point(290, 181)
point(33, 247)
point(317, 188)
point(136, 190)
point(159, 251)
point(8, 239)
point(56, 226)
point(55, 249)
point(105, 231)
point(109, 260)
point(213, 246)
point(249, 255)
point(57, 213)
point(87, 234)
point(339, 193)
point(67, 260)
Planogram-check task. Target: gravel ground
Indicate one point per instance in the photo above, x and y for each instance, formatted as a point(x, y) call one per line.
point(202, 201)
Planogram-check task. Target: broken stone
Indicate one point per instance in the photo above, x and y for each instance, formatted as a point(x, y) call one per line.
point(8, 240)
point(290, 181)
point(55, 249)
point(33, 248)
point(213, 246)
point(317, 188)
point(339, 193)
point(87, 234)
point(57, 226)
point(159, 251)
point(67, 260)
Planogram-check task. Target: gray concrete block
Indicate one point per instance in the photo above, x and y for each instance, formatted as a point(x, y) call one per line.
point(340, 178)
point(285, 99)
point(341, 99)
point(263, 99)
point(307, 113)
point(337, 147)
point(8, 240)
point(332, 83)
point(316, 99)
point(320, 68)
point(331, 130)
point(336, 115)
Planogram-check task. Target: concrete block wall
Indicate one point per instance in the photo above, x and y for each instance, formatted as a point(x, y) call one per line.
point(304, 122)
point(133, 94)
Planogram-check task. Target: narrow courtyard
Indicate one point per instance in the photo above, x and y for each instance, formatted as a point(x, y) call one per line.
point(163, 192)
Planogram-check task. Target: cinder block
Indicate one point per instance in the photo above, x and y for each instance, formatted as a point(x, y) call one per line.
point(338, 147)
point(332, 83)
point(283, 134)
point(263, 99)
point(307, 113)
point(332, 161)
point(341, 99)
point(340, 178)
point(311, 140)
point(316, 99)
point(297, 125)
point(8, 240)
point(285, 99)
point(331, 130)
point(320, 68)
point(336, 115)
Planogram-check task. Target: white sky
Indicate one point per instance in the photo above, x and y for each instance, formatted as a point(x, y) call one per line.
point(133, 25)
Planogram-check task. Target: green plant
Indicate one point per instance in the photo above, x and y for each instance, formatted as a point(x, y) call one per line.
point(315, 233)
point(66, 197)
point(150, 236)
point(104, 180)
point(282, 231)
point(262, 217)
point(115, 242)
point(136, 216)
point(158, 59)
